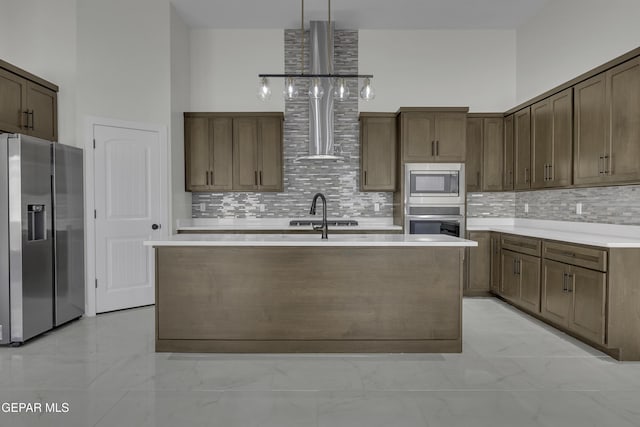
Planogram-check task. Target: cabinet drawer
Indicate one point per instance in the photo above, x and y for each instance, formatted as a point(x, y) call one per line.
point(593, 258)
point(521, 244)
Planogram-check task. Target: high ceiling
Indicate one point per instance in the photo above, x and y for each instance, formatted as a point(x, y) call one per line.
point(360, 14)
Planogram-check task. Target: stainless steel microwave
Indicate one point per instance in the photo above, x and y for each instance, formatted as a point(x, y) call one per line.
point(434, 183)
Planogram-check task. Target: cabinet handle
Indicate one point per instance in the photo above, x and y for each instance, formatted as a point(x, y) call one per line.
point(605, 165)
point(519, 266)
point(32, 120)
point(206, 174)
point(564, 282)
point(600, 163)
point(260, 178)
point(514, 266)
point(551, 177)
point(211, 179)
point(22, 120)
point(570, 283)
point(255, 177)
point(437, 148)
point(365, 177)
point(526, 175)
point(433, 148)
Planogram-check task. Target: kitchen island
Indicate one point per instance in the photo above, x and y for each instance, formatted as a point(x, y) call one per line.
point(282, 293)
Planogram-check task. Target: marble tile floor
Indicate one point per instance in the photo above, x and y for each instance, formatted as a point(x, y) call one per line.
point(514, 371)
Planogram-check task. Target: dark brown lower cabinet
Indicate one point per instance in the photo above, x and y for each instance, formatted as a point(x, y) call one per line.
point(495, 262)
point(521, 279)
point(575, 298)
point(479, 273)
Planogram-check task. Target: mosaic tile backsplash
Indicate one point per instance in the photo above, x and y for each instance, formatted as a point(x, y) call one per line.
point(338, 180)
point(610, 205)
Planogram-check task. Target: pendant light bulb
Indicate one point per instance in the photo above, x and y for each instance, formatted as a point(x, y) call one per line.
point(341, 92)
point(290, 89)
point(264, 91)
point(316, 91)
point(367, 93)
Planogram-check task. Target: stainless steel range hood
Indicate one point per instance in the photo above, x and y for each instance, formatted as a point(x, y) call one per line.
point(321, 109)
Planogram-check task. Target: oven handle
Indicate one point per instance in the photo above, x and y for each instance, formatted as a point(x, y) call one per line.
point(443, 217)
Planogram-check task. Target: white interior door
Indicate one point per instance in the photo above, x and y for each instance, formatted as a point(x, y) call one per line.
point(129, 186)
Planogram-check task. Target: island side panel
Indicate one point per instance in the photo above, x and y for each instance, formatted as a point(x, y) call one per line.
point(275, 299)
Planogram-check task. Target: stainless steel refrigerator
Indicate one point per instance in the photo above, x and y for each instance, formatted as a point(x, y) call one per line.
point(41, 236)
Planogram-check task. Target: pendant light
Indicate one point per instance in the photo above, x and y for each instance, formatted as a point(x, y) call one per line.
point(341, 91)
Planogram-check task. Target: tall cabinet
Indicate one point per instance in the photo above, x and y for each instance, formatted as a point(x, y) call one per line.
point(378, 151)
point(484, 165)
point(607, 128)
point(522, 149)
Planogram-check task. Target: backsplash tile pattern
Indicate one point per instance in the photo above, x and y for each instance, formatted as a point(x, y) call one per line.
point(338, 180)
point(491, 205)
point(609, 205)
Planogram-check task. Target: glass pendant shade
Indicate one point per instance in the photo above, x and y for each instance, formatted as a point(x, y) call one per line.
point(341, 92)
point(367, 93)
point(316, 90)
point(264, 91)
point(290, 89)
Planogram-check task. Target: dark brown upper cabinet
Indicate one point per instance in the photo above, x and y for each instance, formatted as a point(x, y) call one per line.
point(233, 152)
point(508, 176)
point(493, 154)
point(28, 104)
point(378, 151)
point(208, 153)
point(522, 149)
point(551, 141)
point(484, 163)
point(257, 154)
point(607, 128)
point(473, 165)
point(433, 136)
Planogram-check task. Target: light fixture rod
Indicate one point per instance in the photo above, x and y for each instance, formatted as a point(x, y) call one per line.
point(302, 40)
point(329, 44)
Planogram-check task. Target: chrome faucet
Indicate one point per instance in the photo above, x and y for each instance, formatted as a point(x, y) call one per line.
point(324, 227)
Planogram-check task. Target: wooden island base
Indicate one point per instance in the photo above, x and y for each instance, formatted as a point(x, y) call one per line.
point(248, 299)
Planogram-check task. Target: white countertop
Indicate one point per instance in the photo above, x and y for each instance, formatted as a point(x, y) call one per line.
point(295, 240)
point(592, 234)
point(275, 224)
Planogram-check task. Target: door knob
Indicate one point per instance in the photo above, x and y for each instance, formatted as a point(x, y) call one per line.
point(155, 226)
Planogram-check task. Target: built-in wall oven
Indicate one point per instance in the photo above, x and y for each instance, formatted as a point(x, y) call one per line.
point(434, 199)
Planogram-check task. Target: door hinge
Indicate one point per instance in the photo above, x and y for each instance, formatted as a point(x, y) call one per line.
point(96, 283)
point(94, 143)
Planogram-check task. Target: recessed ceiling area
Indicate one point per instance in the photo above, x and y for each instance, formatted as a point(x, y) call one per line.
point(360, 14)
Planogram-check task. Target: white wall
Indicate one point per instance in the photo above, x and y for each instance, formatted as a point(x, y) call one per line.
point(570, 37)
point(123, 60)
point(439, 68)
point(225, 65)
point(180, 102)
point(39, 36)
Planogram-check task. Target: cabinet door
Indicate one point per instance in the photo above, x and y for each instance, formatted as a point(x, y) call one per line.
point(196, 153)
point(623, 99)
point(590, 130)
point(245, 154)
point(480, 262)
point(42, 104)
point(13, 93)
point(560, 172)
point(529, 274)
point(541, 142)
point(221, 150)
point(378, 159)
point(555, 299)
point(493, 163)
point(495, 262)
point(270, 154)
point(588, 290)
point(522, 149)
point(473, 165)
point(450, 133)
point(510, 281)
point(418, 138)
point(507, 179)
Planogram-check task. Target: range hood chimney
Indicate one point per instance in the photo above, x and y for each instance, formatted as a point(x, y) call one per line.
point(321, 109)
